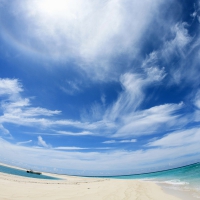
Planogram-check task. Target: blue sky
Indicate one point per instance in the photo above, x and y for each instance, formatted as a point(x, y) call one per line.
point(99, 87)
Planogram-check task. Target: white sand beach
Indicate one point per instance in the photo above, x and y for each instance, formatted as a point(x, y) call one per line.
point(78, 188)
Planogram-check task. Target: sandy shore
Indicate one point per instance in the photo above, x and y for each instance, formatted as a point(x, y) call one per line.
point(78, 188)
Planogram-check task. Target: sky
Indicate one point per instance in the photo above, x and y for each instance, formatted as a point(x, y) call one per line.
point(92, 87)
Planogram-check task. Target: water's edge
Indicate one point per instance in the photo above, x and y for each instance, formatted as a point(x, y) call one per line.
point(22, 172)
point(182, 194)
point(183, 182)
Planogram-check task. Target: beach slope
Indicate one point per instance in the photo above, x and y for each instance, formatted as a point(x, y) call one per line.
point(78, 188)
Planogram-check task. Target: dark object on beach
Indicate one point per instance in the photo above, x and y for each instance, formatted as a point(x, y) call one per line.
point(32, 172)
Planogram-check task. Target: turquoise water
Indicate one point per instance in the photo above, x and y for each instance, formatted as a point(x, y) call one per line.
point(18, 172)
point(190, 174)
point(185, 178)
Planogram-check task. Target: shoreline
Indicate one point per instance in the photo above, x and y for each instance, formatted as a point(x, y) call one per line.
point(182, 194)
point(128, 189)
point(11, 166)
point(76, 188)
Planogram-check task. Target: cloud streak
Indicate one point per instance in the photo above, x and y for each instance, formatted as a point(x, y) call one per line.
point(120, 141)
point(179, 138)
point(24, 142)
point(42, 143)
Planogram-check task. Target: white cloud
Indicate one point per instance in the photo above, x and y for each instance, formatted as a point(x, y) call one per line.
point(178, 138)
point(109, 142)
point(133, 93)
point(69, 148)
point(18, 110)
point(10, 87)
point(22, 109)
point(75, 133)
point(180, 45)
point(150, 121)
point(42, 143)
point(152, 68)
point(103, 99)
point(3, 130)
point(127, 141)
point(24, 142)
point(129, 99)
point(182, 37)
point(71, 87)
point(197, 100)
point(119, 141)
point(81, 148)
point(82, 29)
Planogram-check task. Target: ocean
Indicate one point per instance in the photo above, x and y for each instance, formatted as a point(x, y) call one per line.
point(19, 172)
point(183, 179)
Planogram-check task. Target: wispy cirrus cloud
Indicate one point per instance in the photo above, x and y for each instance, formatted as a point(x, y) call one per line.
point(197, 99)
point(18, 110)
point(121, 119)
point(178, 138)
point(177, 49)
point(75, 133)
point(119, 141)
point(71, 87)
point(69, 148)
point(150, 121)
point(81, 148)
point(42, 143)
point(24, 142)
point(3, 130)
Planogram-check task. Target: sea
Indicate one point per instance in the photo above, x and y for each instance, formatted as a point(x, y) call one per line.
point(185, 180)
point(20, 172)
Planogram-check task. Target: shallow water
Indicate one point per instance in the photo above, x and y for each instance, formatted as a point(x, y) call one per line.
point(18, 172)
point(185, 179)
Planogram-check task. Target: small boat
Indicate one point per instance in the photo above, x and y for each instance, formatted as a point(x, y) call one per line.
point(33, 172)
